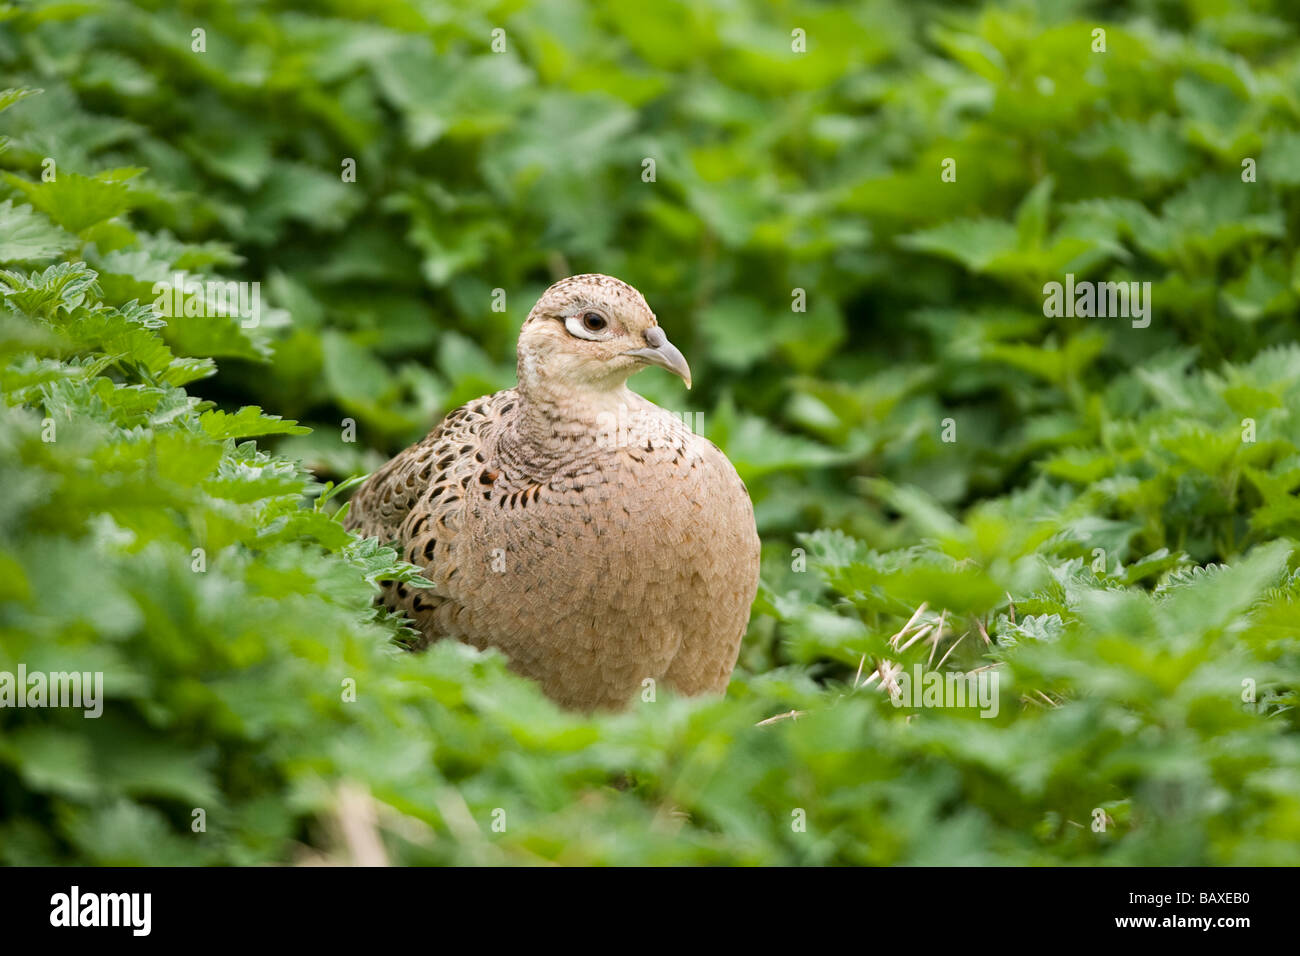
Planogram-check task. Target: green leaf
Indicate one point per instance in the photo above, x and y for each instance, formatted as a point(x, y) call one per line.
point(248, 422)
point(15, 95)
point(27, 235)
point(78, 202)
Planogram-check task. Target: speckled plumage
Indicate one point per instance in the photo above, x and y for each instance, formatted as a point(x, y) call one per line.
point(571, 523)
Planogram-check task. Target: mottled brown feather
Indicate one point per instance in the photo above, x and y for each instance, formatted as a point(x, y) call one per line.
point(585, 532)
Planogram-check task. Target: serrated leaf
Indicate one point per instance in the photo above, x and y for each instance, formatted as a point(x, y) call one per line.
point(248, 422)
point(27, 235)
point(77, 202)
point(15, 95)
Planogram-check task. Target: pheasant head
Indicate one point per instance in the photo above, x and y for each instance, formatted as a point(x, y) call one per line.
point(588, 334)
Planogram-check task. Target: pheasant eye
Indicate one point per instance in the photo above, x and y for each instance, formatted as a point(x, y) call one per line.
point(591, 326)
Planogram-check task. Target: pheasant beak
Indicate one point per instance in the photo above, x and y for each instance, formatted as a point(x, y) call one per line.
point(663, 353)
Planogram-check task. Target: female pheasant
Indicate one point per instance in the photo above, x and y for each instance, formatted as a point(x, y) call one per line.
point(569, 522)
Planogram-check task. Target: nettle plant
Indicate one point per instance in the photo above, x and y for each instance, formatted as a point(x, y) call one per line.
point(146, 537)
point(855, 239)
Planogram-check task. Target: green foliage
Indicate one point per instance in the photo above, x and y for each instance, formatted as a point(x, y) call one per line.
point(1102, 516)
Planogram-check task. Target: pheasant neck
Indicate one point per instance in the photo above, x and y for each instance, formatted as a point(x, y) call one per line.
point(564, 423)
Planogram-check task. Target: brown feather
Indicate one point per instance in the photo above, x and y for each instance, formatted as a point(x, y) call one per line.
point(595, 557)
